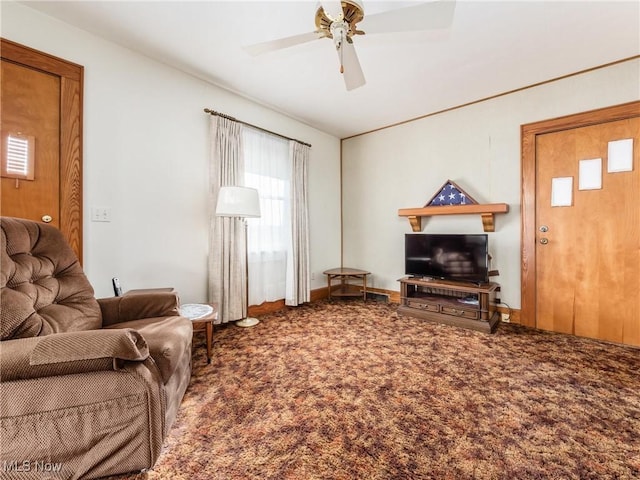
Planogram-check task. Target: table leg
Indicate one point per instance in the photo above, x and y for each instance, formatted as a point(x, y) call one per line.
point(209, 340)
point(329, 285)
point(364, 287)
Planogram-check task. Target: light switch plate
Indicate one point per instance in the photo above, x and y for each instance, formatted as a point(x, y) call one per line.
point(100, 214)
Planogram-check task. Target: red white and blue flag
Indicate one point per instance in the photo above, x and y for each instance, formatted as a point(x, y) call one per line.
point(450, 194)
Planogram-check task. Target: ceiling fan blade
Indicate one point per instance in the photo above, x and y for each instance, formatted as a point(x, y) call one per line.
point(426, 16)
point(286, 42)
point(353, 75)
point(333, 9)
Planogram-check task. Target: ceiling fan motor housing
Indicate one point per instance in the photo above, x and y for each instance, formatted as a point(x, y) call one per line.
point(353, 12)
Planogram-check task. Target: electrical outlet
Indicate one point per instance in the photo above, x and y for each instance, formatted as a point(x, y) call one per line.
point(505, 317)
point(313, 276)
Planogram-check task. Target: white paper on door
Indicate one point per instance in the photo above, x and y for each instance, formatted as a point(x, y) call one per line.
point(562, 192)
point(620, 156)
point(590, 174)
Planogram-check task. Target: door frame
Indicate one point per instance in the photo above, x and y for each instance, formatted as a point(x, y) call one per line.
point(528, 134)
point(71, 99)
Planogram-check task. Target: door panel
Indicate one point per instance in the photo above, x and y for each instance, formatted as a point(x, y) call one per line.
point(588, 280)
point(26, 67)
point(31, 106)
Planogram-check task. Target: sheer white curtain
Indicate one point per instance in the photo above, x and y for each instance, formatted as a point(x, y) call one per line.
point(227, 270)
point(268, 169)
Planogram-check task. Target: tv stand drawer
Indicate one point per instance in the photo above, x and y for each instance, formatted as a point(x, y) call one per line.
point(421, 305)
point(460, 312)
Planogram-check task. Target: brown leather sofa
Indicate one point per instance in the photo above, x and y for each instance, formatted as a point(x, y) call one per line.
point(88, 387)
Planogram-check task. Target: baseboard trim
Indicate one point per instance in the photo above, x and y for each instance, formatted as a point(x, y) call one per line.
point(271, 307)
point(322, 293)
point(394, 296)
point(514, 315)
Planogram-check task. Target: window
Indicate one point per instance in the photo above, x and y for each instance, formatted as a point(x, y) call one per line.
point(267, 168)
point(267, 231)
point(18, 156)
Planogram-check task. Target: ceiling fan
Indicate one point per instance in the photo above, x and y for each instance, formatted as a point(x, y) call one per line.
point(338, 20)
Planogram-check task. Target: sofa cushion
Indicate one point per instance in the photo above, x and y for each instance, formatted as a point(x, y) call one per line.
point(43, 289)
point(168, 339)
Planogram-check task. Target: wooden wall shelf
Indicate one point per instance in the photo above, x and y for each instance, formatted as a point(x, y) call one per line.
point(486, 211)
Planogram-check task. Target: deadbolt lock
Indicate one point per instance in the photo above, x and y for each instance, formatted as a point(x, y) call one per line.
point(544, 241)
point(544, 228)
point(47, 218)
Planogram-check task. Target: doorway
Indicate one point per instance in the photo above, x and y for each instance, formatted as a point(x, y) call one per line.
point(581, 256)
point(41, 99)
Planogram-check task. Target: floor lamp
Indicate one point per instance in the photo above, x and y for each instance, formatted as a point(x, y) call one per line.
point(240, 202)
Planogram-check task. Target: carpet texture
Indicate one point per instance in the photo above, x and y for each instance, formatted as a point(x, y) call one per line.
point(347, 390)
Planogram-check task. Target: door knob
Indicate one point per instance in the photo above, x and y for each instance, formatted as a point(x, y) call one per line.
point(544, 241)
point(47, 218)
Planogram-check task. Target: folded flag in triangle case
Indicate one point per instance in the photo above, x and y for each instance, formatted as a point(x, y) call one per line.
point(450, 194)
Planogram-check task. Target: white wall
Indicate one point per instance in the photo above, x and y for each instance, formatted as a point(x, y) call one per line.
point(478, 147)
point(146, 158)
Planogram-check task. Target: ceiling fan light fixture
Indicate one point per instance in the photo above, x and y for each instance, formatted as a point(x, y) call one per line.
point(353, 12)
point(338, 32)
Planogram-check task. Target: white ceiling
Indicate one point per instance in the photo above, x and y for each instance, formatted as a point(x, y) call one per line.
point(490, 48)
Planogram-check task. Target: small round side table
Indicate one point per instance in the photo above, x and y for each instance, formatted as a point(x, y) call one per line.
point(203, 316)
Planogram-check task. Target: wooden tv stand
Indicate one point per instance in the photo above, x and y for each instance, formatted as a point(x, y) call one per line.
point(441, 301)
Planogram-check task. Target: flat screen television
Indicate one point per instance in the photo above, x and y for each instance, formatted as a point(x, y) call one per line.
point(459, 257)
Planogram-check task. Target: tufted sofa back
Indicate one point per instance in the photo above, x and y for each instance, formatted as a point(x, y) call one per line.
point(43, 289)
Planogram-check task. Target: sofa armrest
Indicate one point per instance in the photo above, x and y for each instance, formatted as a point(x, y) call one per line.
point(141, 305)
point(70, 352)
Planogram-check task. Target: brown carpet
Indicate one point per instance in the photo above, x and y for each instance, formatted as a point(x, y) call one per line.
point(348, 390)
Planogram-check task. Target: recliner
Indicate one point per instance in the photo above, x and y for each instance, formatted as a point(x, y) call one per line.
point(89, 387)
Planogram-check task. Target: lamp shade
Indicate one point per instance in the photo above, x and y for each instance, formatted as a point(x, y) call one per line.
point(238, 202)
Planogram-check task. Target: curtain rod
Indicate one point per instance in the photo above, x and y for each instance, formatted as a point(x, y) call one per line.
point(218, 114)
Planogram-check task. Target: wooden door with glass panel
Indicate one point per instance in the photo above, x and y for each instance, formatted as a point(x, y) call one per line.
point(41, 135)
point(30, 143)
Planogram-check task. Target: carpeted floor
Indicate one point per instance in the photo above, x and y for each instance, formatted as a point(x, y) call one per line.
point(348, 390)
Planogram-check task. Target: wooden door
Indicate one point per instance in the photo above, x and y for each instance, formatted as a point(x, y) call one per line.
point(30, 117)
point(41, 102)
point(587, 255)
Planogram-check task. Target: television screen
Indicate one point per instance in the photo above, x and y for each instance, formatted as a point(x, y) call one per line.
point(447, 256)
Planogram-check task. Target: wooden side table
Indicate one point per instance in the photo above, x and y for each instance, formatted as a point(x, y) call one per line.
point(345, 289)
point(203, 316)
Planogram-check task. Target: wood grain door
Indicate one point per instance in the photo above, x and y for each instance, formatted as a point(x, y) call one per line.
point(31, 115)
point(41, 102)
point(587, 255)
